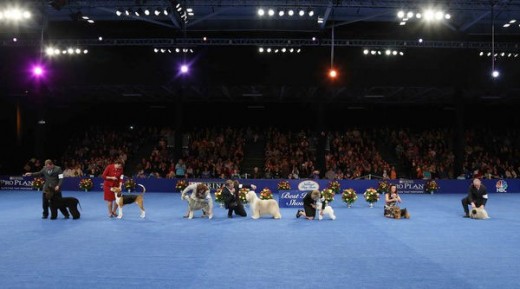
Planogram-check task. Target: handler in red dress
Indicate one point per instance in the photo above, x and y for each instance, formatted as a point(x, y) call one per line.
point(113, 177)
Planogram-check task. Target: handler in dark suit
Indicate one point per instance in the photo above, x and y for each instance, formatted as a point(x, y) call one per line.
point(231, 198)
point(477, 197)
point(53, 180)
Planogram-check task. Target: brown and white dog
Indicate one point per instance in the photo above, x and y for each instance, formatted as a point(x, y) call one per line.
point(200, 199)
point(122, 200)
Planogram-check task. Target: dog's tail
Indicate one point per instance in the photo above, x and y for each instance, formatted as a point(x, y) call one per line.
point(144, 189)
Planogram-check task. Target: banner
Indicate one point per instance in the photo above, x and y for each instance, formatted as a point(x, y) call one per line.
point(291, 199)
point(303, 185)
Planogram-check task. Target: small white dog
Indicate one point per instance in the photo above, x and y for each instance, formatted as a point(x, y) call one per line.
point(261, 207)
point(328, 211)
point(478, 213)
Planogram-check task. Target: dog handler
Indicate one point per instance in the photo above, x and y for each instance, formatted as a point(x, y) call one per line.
point(310, 205)
point(112, 177)
point(477, 197)
point(53, 179)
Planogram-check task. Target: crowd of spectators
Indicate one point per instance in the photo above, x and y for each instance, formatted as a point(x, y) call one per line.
point(206, 153)
point(348, 154)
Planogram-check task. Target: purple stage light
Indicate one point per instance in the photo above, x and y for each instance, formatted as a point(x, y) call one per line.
point(37, 70)
point(184, 69)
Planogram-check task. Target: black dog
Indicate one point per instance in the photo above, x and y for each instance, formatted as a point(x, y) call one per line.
point(56, 201)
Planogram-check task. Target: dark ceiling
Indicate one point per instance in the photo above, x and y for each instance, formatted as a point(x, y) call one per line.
point(227, 67)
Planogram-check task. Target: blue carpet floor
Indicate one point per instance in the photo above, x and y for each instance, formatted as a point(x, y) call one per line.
point(436, 248)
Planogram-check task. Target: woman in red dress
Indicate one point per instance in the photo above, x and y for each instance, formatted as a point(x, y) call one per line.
point(113, 177)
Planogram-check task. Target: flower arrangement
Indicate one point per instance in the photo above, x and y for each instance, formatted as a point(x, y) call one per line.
point(242, 195)
point(38, 183)
point(181, 185)
point(431, 186)
point(349, 196)
point(86, 184)
point(284, 186)
point(129, 185)
point(383, 187)
point(328, 195)
point(335, 186)
point(266, 194)
point(371, 196)
point(218, 196)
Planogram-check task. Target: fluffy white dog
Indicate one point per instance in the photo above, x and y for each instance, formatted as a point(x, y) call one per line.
point(478, 213)
point(328, 211)
point(262, 207)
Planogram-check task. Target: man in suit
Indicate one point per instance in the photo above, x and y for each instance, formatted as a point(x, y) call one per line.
point(477, 197)
point(231, 198)
point(53, 180)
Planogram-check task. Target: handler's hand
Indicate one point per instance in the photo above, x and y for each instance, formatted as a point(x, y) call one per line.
point(57, 188)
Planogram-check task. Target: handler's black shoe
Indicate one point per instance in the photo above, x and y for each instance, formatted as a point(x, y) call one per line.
point(45, 217)
point(466, 216)
point(298, 214)
point(66, 217)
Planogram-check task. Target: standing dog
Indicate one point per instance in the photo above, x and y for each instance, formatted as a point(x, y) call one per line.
point(67, 205)
point(200, 199)
point(261, 207)
point(327, 210)
point(478, 213)
point(122, 200)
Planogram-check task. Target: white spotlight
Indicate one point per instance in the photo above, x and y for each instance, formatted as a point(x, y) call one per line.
point(146, 12)
point(373, 52)
point(177, 50)
point(85, 51)
point(118, 13)
point(394, 52)
point(311, 13)
point(388, 52)
point(299, 50)
point(313, 38)
point(291, 50)
point(488, 54)
point(418, 15)
point(283, 50)
point(281, 13)
point(439, 15)
point(366, 51)
point(268, 50)
point(400, 14)
point(447, 16)
point(495, 73)
point(481, 53)
point(420, 40)
point(506, 25)
point(502, 54)
point(57, 51)
point(401, 53)
point(70, 51)
point(301, 13)
point(261, 50)
point(26, 14)
point(157, 12)
point(402, 23)
point(409, 14)
point(290, 12)
point(428, 15)
point(270, 12)
point(100, 38)
point(78, 51)
point(49, 51)
point(155, 50)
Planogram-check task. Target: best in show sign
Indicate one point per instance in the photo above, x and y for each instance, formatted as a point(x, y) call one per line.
point(294, 198)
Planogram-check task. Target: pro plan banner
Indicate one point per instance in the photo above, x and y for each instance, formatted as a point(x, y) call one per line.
point(297, 187)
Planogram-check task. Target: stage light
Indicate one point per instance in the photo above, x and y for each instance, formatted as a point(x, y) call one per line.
point(78, 51)
point(320, 20)
point(428, 15)
point(402, 23)
point(90, 21)
point(127, 12)
point(512, 21)
point(100, 38)
point(281, 13)
point(418, 15)
point(291, 50)
point(204, 38)
point(85, 51)
point(184, 69)
point(447, 16)
point(495, 74)
point(261, 50)
point(439, 15)
point(409, 14)
point(301, 13)
point(298, 50)
point(313, 38)
point(290, 12)
point(366, 52)
point(506, 25)
point(15, 39)
point(400, 14)
point(420, 40)
point(373, 52)
point(276, 50)
point(56, 51)
point(284, 50)
point(166, 12)
point(157, 12)
point(270, 12)
point(401, 53)
point(261, 12)
point(118, 12)
point(268, 50)
point(311, 13)
point(333, 73)
point(26, 14)
point(155, 50)
point(481, 53)
point(394, 52)
point(38, 70)
point(49, 51)
point(163, 50)
point(169, 51)
point(146, 12)
point(177, 50)
point(489, 54)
